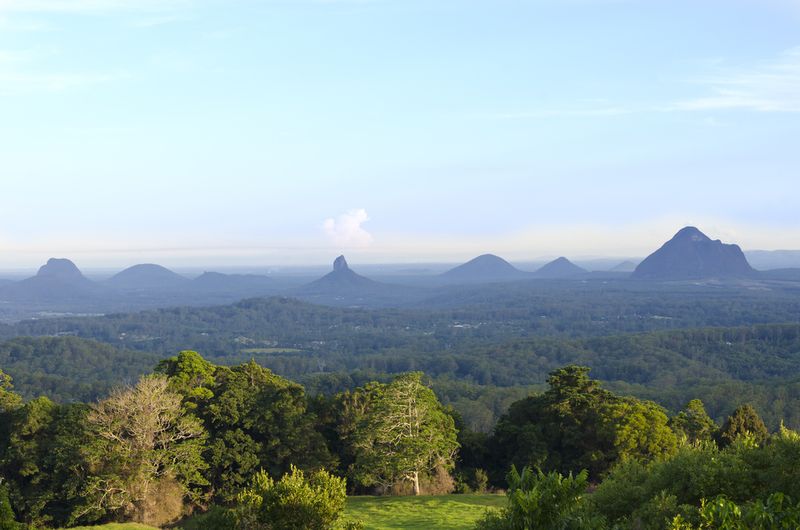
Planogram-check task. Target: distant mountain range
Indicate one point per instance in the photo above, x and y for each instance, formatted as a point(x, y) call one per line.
point(490, 268)
point(691, 254)
point(60, 287)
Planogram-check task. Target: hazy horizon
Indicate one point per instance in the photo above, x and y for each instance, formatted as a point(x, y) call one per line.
point(287, 132)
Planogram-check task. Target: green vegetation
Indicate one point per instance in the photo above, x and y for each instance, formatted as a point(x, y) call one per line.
point(253, 448)
point(315, 502)
point(403, 435)
point(116, 526)
point(724, 367)
point(446, 512)
point(680, 433)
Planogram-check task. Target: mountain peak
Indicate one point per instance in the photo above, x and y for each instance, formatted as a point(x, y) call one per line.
point(690, 233)
point(147, 275)
point(340, 264)
point(691, 254)
point(486, 267)
point(59, 268)
point(559, 268)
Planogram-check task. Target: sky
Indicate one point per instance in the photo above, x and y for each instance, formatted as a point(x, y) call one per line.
point(289, 131)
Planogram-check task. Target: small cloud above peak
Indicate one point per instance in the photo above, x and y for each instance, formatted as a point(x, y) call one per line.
point(346, 229)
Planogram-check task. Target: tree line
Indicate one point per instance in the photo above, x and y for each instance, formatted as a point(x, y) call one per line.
point(237, 442)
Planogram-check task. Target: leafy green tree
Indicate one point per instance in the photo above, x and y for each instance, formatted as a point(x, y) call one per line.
point(42, 460)
point(576, 424)
point(694, 423)
point(744, 421)
point(144, 456)
point(404, 434)
point(7, 519)
point(639, 430)
point(258, 420)
point(191, 376)
point(8, 399)
point(23, 458)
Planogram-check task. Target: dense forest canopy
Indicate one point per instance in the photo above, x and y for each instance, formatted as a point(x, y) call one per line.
point(723, 366)
point(253, 450)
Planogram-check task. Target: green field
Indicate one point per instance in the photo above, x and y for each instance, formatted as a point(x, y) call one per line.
point(449, 512)
point(116, 526)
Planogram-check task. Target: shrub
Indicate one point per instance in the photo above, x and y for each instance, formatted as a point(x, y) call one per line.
point(539, 500)
point(313, 503)
point(723, 514)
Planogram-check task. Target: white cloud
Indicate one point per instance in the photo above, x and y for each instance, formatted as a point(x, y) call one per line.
point(19, 75)
point(20, 25)
point(16, 82)
point(769, 86)
point(772, 86)
point(83, 6)
point(346, 229)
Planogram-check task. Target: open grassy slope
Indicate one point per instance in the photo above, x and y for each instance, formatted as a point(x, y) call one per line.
point(116, 526)
point(447, 512)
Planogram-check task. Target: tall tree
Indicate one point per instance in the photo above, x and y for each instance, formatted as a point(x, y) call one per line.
point(405, 433)
point(9, 400)
point(191, 376)
point(575, 425)
point(257, 420)
point(694, 423)
point(41, 461)
point(744, 421)
point(145, 456)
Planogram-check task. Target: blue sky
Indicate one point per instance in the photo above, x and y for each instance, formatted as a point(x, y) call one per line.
point(286, 131)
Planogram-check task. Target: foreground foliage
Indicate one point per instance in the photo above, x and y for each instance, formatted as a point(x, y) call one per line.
point(315, 502)
point(576, 424)
point(250, 448)
point(539, 500)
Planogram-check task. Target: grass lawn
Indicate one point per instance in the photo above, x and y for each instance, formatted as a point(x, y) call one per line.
point(116, 526)
point(449, 512)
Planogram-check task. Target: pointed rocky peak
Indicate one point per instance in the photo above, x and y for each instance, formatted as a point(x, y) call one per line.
point(341, 277)
point(60, 268)
point(690, 254)
point(340, 264)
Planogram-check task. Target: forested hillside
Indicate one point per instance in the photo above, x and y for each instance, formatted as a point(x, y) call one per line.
point(723, 366)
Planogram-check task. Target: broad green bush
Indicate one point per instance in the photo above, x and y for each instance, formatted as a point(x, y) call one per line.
point(315, 502)
point(776, 513)
point(677, 489)
point(538, 500)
